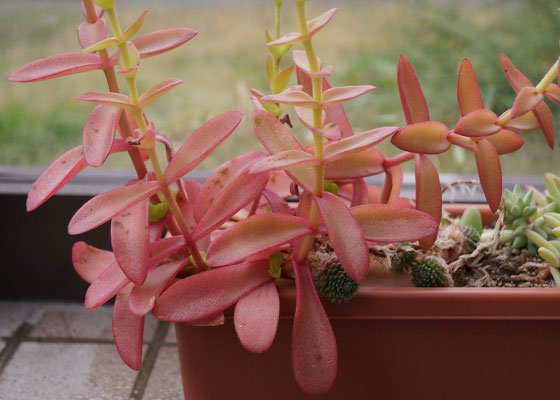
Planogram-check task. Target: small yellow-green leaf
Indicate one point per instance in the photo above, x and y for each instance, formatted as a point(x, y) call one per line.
point(132, 29)
point(103, 44)
point(280, 82)
point(157, 212)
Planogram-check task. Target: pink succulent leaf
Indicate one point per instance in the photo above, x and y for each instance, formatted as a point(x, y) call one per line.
point(527, 99)
point(360, 193)
point(315, 24)
point(108, 98)
point(277, 203)
point(128, 331)
point(242, 191)
point(131, 241)
point(386, 223)
point(525, 123)
point(90, 33)
point(99, 133)
point(55, 176)
point(156, 91)
point(516, 79)
point(478, 123)
point(428, 193)
point(314, 352)
point(345, 235)
point(292, 97)
point(489, 172)
point(428, 137)
point(89, 262)
point(288, 38)
point(544, 117)
point(155, 43)
point(553, 93)
point(54, 66)
point(256, 317)
point(213, 320)
point(357, 143)
point(284, 160)
point(201, 143)
point(221, 178)
point(98, 11)
point(257, 103)
point(132, 29)
point(355, 165)
point(206, 294)
point(468, 92)
point(142, 298)
point(412, 97)
point(193, 189)
point(305, 115)
point(338, 95)
point(259, 233)
point(279, 183)
point(505, 141)
point(106, 205)
point(275, 137)
point(302, 62)
point(105, 286)
point(156, 229)
point(165, 247)
point(392, 185)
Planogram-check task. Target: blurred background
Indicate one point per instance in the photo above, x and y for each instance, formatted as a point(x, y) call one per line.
point(39, 121)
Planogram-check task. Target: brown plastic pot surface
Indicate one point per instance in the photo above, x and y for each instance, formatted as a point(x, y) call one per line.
point(455, 210)
point(396, 343)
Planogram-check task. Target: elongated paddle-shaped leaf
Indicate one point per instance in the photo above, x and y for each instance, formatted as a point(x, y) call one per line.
point(489, 172)
point(428, 193)
point(468, 92)
point(392, 185)
point(339, 95)
point(317, 23)
point(360, 194)
point(201, 143)
point(516, 79)
point(345, 235)
point(128, 331)
point(105, 286)
point(142, 298)
point(105, 206)
point(156, 91)
point(544, 117)
point(527, 99)
point(99, 133)
point(392, 224)
point(259, 233)
point(256, 317)
point(478, 123)
point(355, 165)
point(505, 142)
point(292, 97)
point(284, 160)
point(109, 98)
point(428, 137)
point(131, 242)
point(412, 97)
point(221, 178)
point(54, 66)
point(89, 262)
point(356, 143)
point(209, 293)
point(237, 195)
point(525, 123)
point(159, 42)
point(314, 352)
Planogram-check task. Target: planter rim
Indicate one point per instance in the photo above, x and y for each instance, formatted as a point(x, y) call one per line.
point(384, 302)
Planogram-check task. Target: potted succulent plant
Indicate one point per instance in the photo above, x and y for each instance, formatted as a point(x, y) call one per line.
point(175, 254)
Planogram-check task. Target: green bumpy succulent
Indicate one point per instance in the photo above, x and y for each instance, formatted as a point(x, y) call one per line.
point(407, 260)
point(428, 273)
point(335, 284)
point(473, 238)
point(471, 225)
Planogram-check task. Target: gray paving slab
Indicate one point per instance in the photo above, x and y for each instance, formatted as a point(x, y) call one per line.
point(165, 381)
point(15, 313)
point(171, 338)
point(70, 371)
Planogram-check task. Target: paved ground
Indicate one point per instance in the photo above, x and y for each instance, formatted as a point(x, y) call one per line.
point(60, 351)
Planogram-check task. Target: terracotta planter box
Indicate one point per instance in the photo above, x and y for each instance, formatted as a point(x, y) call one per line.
point(396, 343)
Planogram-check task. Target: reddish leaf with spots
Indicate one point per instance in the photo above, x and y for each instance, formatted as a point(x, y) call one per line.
point(260, 233)
point(89, 262)
point(208, 293)
point(314, 352)
point(489, 172)
point(338, 149)
point(108, 98)
point(428, 194)
point(131, 242)
point(99, 133)
point(256, 317)
point(105, 286)
point(345, 235)
point(54, 66)
point(128, 331)
point(288, 159)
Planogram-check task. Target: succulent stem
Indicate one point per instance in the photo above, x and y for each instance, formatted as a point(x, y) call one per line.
point(548, 78)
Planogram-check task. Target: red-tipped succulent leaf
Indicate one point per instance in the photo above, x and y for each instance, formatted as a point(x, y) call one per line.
point(99, 133)
point(489, 172)
point(478, 123)
point(105, 286)
point(54, 66)
point(156, 91)
point(428, 193)
point(338, 95)
point(412, 97)
point(89, 262)
point(128, 331)
point(527, 99)
point(468, 92)
point(355, 165)
point(109, 98)
point(155, 43)
point(428, 137)
point(356, 143)
point(505, 141)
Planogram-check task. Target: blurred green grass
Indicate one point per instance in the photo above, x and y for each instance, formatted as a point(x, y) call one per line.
point(39, 121)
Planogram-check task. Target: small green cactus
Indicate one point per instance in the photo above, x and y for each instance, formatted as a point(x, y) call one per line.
point(428, 273)
point(473, 238)
point(406, 260)
point(335, 284)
